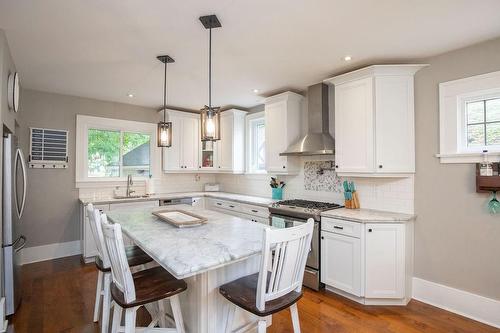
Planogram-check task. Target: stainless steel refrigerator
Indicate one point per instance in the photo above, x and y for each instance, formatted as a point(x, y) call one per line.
point(14, 199)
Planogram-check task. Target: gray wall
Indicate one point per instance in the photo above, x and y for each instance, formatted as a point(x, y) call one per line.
point(52, 209)
point(457, 243)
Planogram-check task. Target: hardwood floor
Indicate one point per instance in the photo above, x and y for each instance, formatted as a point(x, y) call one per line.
point(58, 296)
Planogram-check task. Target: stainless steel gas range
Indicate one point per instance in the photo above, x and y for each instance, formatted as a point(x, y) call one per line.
point(290, 213)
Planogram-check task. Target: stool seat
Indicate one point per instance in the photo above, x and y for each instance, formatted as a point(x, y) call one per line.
point(243, 293)
point(150, 285)
point(135, 255)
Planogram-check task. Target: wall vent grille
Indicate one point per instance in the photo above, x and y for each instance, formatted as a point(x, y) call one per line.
point(48, 148)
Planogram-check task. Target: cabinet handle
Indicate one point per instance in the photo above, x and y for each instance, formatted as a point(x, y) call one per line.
point(255, 211)
point(231, 206)
point(380, 166)
point(219, 204)
point(369, 230)
point(337, 227)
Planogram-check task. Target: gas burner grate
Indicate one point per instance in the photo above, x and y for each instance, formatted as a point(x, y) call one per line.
point(309, 204)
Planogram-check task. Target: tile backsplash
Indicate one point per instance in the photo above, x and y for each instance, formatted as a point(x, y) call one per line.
point(318, 179)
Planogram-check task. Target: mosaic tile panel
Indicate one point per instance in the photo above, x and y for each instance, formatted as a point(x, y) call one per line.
point(314, 181)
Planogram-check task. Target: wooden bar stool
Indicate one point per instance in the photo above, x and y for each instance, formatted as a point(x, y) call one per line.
point(135, 256)
point(131, 291)
point(268, 292)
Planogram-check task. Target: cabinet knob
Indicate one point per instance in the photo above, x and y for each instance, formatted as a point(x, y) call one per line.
point(336, 167)
point(219, 166)
point(380, 166)
point(370, 230)
point(322, 237)
point(284, 167)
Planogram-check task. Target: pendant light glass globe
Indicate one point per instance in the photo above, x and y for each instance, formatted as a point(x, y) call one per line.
point(164, 133)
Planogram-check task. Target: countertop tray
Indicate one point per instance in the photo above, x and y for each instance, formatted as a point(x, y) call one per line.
point(180, 218)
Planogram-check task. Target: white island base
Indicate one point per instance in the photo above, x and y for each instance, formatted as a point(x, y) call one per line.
point(203, 307)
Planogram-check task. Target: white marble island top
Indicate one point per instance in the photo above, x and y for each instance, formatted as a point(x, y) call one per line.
point(186, 252)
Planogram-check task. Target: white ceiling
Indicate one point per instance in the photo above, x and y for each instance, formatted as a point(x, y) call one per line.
point(106, 49)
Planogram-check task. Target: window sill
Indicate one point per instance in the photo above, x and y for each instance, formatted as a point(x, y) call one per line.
point(107, 183)
point(467, 157)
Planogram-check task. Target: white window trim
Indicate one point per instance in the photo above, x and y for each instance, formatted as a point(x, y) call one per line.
point(453, 96)
point(84, 123)
point(250, 118)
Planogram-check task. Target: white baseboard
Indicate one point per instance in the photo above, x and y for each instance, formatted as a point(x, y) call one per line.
point(50, 251)
point(480, 308)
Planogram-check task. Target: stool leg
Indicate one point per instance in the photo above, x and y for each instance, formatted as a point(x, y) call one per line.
point(295, 318)
point(117, 318)
point(106, 303)
point(98, 291)
point(230, 309)
point(130, 316)
point(176, 311)
point(161, 312)
point(262, 326)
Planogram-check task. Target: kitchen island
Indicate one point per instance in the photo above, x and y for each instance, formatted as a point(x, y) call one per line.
point(207, 256)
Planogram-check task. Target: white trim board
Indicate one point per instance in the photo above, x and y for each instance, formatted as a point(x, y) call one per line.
point(480, 308)
point(50, 251)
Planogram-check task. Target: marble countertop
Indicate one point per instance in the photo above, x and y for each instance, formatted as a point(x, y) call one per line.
point(368, 215)
point(259, 201)
point(185, 252)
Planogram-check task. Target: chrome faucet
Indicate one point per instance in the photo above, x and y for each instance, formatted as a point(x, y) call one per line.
point(129, 183)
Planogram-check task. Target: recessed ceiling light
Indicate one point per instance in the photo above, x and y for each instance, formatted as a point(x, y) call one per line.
point(256, 91)
point(130, 95)
point(347, 58)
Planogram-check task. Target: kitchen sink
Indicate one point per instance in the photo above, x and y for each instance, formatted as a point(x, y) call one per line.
point(130, 196)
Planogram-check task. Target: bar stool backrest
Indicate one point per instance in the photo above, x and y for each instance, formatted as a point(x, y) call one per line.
point(96, 228)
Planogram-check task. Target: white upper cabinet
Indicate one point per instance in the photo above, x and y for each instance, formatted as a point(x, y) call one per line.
point(231, 146)
point(184, 153)
point(282, 119)
point(374, 121)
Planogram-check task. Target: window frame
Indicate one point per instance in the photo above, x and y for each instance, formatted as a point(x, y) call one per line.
point(251, 121)
point(453, 96)
point(84, 123)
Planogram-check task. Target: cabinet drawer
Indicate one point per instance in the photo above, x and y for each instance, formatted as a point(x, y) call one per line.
point(255, 210)
point(223, 204)
point(341, 227)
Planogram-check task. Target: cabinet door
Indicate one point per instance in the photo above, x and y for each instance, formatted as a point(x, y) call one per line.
point(394, 129)
point(172, 154)
point(190, 143)
point(276, 139)
point(354, 138)
point(384, 260)
point(225, 144)
point(341, 262)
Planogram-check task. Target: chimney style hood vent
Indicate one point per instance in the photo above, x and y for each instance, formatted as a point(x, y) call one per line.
point(318, 140)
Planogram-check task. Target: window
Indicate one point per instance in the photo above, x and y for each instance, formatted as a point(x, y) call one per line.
point(256, 139)
point(114, 153)
point(483, 123)
point(469, 118)
point(112, 149)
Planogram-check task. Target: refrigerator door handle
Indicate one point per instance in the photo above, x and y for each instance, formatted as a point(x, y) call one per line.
point(20, 159)
point(17, 247)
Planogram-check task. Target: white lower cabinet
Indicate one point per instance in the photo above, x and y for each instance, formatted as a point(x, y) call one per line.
point(341, 262)
point(246, 211)
point(368, 262)
point(385, 262)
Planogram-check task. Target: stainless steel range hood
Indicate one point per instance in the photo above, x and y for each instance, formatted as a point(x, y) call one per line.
point(318, 140)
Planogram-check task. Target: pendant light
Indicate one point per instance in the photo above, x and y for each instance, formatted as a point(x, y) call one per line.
point(210, 116)
point(164, 134)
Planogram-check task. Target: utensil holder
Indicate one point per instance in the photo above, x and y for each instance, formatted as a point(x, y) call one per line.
point(277, 193)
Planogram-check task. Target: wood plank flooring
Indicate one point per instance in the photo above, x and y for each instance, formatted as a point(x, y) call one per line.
point(58, 296)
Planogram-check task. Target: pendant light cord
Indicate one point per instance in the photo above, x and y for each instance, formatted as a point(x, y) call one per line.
point(165, 94)
point(210, 69)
